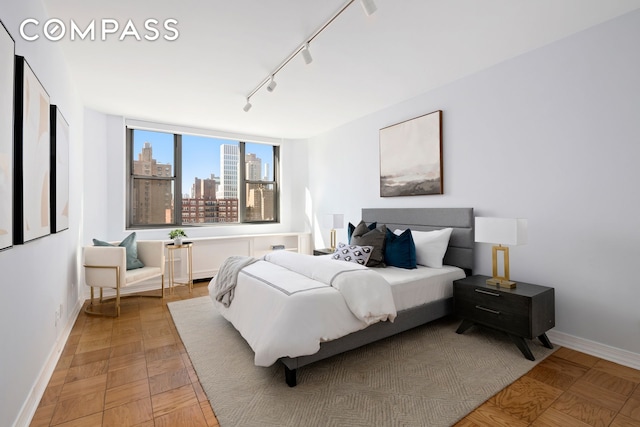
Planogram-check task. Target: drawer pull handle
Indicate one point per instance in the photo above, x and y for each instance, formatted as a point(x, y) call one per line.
point(493, 294)
point(479, 307)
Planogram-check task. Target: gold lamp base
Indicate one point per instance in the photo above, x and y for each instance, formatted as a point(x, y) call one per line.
point(332, 239)
point(496, 280)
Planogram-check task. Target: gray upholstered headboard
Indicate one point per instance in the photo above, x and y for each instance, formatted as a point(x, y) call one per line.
point(460, 250)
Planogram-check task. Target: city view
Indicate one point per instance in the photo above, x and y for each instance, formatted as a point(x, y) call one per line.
point(210, 180)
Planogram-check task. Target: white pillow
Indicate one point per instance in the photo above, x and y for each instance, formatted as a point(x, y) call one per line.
point(430, 246)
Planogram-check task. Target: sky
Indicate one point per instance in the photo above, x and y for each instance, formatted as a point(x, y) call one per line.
point(200, 155)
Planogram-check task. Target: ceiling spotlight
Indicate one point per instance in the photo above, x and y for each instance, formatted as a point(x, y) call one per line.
point(306, 54)
point(369, 6)
point(272, 84)
point(247, 106)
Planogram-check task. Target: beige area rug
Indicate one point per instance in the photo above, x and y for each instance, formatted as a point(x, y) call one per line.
point(427, 376)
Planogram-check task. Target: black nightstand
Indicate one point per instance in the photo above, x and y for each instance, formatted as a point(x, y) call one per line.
point(323, 251)
point(526, 311)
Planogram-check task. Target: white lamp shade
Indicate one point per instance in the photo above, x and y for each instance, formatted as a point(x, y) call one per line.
point(502, 231)
point(333, 221)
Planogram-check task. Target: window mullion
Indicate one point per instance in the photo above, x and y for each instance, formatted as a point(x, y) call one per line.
point(242, 185)
point(177, 190)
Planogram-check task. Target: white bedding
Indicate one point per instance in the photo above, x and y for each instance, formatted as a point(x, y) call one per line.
point(285, 305)
point(411, 288)
point(288, 303)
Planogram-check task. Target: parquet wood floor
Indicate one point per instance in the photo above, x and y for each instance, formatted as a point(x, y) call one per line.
point(134, 371)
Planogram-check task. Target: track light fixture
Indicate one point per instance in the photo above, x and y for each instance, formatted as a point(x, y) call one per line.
point(247, 106)
point(369, 7)
point(306, 54)
point(272, 84)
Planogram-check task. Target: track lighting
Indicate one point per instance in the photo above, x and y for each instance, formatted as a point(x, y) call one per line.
point(369, 6)
point(306, 54)
point(247, 106)
point(272, 84)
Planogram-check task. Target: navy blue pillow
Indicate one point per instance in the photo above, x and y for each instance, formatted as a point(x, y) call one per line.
point(400, 251)
point(352, 227)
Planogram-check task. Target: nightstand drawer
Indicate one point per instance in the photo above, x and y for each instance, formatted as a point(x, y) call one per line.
point(494, 315)
point(493, 299)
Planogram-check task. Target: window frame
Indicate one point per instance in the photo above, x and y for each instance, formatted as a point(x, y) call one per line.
point(244, 182)
point(176, 179)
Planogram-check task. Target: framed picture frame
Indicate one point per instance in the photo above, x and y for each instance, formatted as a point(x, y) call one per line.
point(59, 171)
point(411, 157)
point(32, 178)
point(7, 80)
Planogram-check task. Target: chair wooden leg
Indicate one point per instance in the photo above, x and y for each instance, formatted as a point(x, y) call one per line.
point(90, 307)
point(118, 301)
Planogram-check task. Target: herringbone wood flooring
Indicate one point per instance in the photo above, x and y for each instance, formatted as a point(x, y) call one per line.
point(134, 371)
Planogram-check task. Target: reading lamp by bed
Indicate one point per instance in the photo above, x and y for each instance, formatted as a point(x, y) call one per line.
point(333, 221)
point(501, 231)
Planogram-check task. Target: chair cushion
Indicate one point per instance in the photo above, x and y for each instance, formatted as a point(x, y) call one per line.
point(129, 243)
point(140, 274)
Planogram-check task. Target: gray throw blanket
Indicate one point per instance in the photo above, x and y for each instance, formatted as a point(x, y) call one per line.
point(227, 277)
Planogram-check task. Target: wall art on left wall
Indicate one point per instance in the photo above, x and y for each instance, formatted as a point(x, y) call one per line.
point(31, 150)
point(7, 71)
point(59, 171)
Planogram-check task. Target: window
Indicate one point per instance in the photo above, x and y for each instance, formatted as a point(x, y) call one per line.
point(181, 179)
point(260, 202)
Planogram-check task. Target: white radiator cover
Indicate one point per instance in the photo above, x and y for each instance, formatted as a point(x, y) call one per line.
point(209, 253)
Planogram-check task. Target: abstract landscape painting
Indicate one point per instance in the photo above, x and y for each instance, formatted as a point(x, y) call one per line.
point(411, 157)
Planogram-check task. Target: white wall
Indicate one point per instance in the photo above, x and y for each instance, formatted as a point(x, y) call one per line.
point(40, 275)
point(551, 136)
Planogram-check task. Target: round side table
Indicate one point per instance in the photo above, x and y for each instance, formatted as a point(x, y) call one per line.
point(171, 250)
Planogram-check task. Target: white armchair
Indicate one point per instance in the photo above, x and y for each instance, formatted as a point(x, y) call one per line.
point(106, 267)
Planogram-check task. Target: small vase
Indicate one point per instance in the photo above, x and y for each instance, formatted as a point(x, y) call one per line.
point(177, 241)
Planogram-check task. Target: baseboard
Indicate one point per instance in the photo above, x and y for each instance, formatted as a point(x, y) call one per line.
point(612, 354)
point(32, 401)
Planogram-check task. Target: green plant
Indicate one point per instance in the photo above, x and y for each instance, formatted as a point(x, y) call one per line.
point(178, 232)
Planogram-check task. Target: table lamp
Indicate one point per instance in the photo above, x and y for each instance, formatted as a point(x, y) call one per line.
point(501, 231)
point(334, 221)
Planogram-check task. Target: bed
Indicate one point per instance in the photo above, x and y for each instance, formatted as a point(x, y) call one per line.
point(272, 338)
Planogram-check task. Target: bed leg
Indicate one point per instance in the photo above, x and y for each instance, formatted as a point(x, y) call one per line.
point(290, 376)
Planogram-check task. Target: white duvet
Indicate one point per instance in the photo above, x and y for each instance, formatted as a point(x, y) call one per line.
point(287, 303)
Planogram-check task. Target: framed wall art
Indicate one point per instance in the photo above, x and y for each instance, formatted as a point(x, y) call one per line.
point(59, 171)
point(411, 157)
point(7, 79)
point(31, 151)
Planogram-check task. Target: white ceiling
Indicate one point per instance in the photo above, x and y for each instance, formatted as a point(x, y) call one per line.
point(361, 63)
